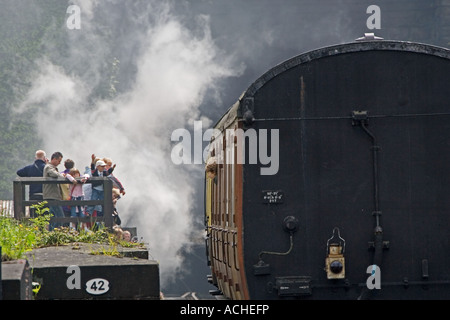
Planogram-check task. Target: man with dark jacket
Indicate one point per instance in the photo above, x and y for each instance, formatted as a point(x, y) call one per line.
point(35, 169)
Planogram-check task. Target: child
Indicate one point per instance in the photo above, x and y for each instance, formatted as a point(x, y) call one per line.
point(68, 164)
point(76, 192)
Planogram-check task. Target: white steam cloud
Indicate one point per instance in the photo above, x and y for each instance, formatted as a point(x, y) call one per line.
point(175, 68)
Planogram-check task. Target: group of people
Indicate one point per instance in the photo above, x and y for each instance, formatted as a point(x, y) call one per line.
point(78, 190)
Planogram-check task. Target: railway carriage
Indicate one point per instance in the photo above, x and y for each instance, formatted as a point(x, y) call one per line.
point(329, 178)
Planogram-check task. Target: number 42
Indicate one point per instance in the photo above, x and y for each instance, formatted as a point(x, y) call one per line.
point(95, 286)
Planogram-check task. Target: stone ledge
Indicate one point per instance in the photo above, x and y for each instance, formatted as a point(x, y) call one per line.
point(127, 278)
point(16, 280)
point(65, 254)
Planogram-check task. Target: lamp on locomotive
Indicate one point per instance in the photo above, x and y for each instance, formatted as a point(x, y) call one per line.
point(335, 261)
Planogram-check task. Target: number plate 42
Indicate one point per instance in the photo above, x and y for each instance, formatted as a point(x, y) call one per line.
point(97, 286)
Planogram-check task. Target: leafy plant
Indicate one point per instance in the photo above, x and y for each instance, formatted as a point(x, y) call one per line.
point(18, 237)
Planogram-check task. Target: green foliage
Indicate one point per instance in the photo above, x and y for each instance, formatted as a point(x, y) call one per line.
point(26, 29)
point(15, 239)
point(19, 237)
point(42, 219)
point(111, 250)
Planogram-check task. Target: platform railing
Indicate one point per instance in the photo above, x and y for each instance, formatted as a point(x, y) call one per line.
point(21, 203)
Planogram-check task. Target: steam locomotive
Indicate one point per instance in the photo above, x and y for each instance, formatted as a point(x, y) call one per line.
point(329, 178)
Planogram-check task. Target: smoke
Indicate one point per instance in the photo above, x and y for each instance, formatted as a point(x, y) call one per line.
point(138, 70)
point(168, 70)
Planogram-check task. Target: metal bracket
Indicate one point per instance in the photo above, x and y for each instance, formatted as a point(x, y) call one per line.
point(371, 244)
point(369, 37)
point(336, 235)
point(360, 117)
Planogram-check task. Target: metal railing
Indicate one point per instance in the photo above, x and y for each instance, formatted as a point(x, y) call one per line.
point(20, 202)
